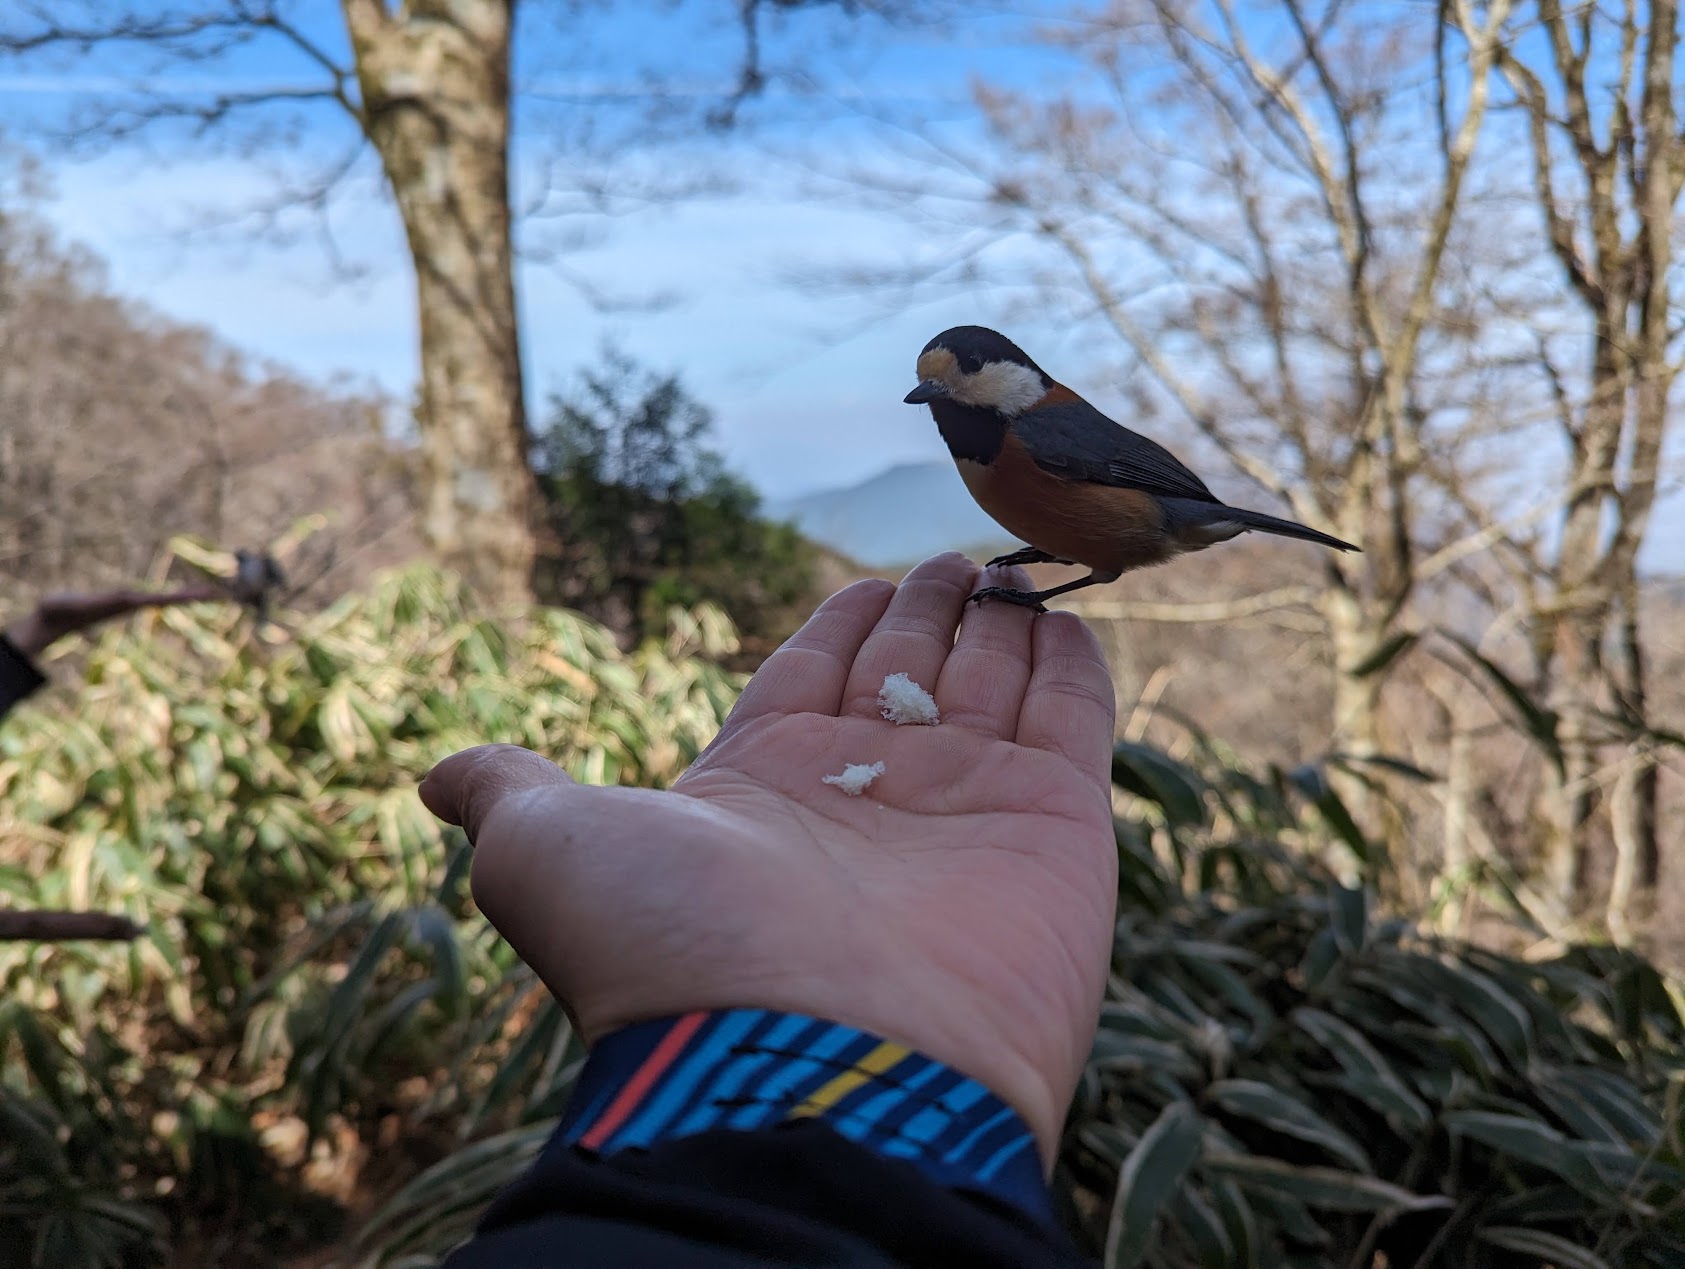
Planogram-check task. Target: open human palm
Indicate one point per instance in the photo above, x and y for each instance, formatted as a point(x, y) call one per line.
point(962, 904)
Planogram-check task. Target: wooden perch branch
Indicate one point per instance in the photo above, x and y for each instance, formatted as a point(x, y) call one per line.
point(64, 927)
point(1210, 610)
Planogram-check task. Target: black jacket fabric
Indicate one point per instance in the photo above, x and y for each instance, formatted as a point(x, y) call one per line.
point(18, 676)
point(796, 1195)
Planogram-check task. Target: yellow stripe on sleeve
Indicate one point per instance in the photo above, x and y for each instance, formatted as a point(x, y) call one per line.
point(830, 1093)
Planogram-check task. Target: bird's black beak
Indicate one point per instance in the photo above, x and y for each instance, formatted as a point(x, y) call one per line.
point(928, 390)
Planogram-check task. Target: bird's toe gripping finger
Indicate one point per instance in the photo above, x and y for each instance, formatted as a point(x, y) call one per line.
point(1023, 598)
point(1024, 555)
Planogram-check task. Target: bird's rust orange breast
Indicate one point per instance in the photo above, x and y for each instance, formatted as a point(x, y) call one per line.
point(1058, 394)
point(1109, 529)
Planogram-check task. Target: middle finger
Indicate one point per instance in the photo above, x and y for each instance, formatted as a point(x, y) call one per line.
point(915, 633)
point(983, 681)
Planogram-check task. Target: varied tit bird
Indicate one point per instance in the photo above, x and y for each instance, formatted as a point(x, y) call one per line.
point(1055, 472)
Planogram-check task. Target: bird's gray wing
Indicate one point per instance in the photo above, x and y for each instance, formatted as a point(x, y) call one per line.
point(1076, 441)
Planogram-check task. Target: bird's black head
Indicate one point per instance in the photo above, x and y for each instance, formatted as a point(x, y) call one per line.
point(978, 367)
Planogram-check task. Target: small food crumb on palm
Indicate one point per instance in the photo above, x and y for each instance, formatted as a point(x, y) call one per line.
point(855, 777)
point(904, 701)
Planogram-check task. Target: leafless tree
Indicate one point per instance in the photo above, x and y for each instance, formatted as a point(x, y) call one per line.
point(1387, 261)
point(1248, 204)
point(1597, 89)
point(119, 429)
point(426, 84)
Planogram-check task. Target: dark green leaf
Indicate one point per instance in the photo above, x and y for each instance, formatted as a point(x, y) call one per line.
point(1322, 954)
point(1548, 1248)
point(1151, 1176)
point(1537, 721)
point(1504, 1022)
point(1398, 766)
point(1277, 1110)
point(1527, 1141)
point(1115, 1052)
point(1327, 1188)
point(1566, 1102)
point(1238, 1219)
point(1369, 1075)
point(1384, 655)
point(1203, 1229)
point(1218, 977)
point(1349, 908)
point(1147, 773)
point(1338, 818)
point(1616, 1100)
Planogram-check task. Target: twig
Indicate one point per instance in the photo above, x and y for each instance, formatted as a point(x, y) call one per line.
point(63, 927)
point(1209, 610)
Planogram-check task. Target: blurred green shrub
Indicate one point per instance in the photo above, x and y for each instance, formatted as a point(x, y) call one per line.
point(314, 1008)
point(1283, 1077)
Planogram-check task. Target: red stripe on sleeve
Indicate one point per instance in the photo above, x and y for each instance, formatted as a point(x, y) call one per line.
point(643, 1079)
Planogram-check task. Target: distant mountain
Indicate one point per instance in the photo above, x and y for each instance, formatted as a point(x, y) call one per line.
point(896, 517)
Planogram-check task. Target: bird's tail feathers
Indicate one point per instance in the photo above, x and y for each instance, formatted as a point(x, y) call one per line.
point(1202, 523)
point(1286, 528)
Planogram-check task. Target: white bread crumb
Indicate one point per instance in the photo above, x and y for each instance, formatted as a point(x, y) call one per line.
point(855, 777)
point(904, 701)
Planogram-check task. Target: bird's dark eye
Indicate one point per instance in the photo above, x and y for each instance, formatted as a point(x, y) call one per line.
point(970, 363)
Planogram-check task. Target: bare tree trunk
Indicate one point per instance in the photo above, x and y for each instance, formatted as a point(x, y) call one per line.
point(1354, 635)
point(1657, 197)
point(1454, 879)
point(1624, 819)
point(435, 86)
point(1642, 824)
point(1568, 794)
point(1580, 614)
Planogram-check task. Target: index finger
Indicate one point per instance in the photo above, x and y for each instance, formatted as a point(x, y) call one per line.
point(1070, 707)
point(806, 675)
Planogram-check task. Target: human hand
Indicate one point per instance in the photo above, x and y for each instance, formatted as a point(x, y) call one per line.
point(963, 905)
point(67, 613)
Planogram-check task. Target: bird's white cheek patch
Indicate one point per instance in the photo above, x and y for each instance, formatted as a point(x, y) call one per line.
point(1001, 385)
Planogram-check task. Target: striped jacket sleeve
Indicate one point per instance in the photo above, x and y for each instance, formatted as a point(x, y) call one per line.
point(753, 1137)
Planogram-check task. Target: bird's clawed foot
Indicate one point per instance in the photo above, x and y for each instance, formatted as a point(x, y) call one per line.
point(1023, 598)
point(1024, 555)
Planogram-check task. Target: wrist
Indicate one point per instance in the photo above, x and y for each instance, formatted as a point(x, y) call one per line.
point(755, 1069)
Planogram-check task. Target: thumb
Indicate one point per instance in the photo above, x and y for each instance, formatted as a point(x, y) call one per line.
point(467, 787)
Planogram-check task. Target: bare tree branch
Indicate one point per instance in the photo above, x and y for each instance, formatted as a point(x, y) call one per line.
point(1270, 601)
point(1532, 94)
point(66, 927)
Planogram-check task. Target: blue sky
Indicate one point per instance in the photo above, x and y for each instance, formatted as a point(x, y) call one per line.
point(805, 380)
point(806, 387)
